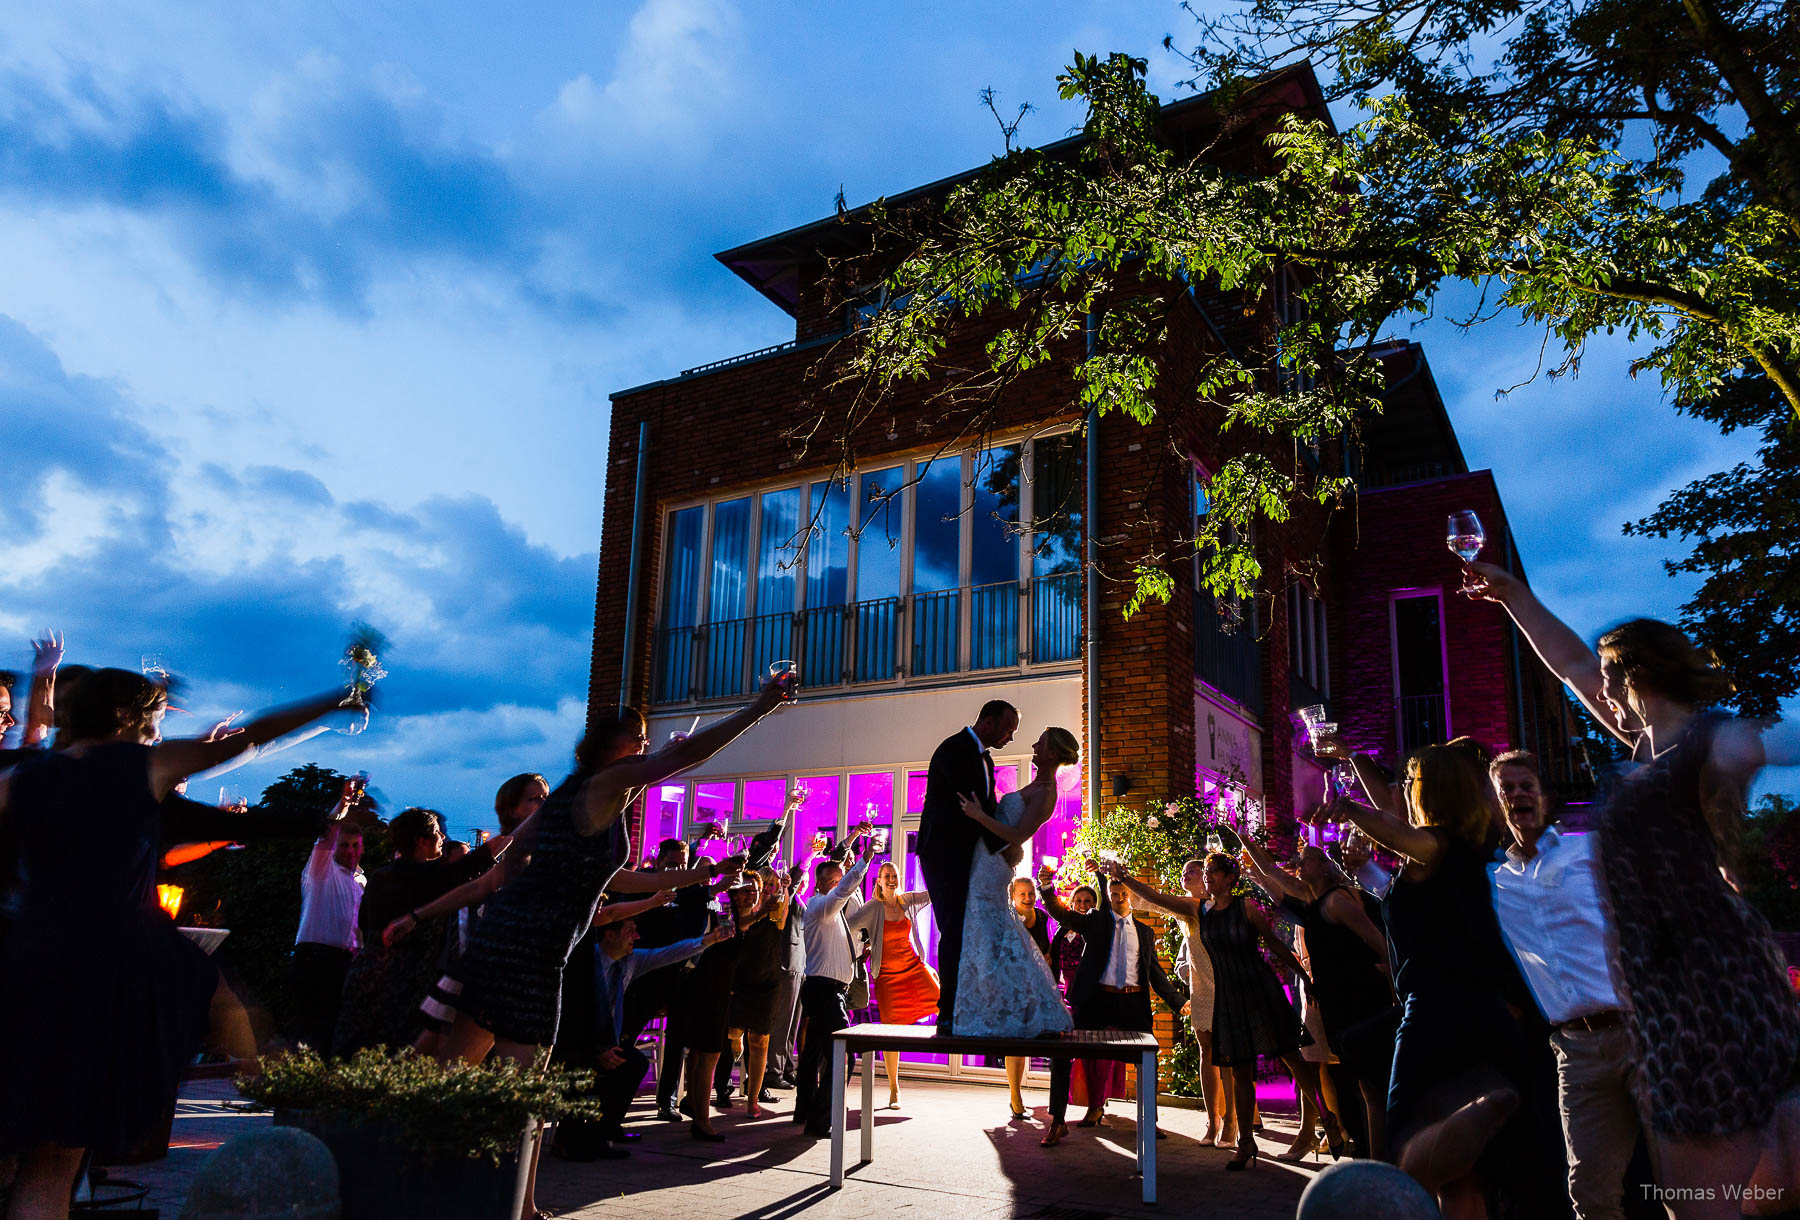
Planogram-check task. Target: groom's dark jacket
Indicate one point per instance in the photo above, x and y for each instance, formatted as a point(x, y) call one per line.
point(945, 831)
point(1096, 928)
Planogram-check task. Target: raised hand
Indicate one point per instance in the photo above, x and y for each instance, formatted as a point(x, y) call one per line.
point(1489, 582)
point(1045, 874)
point(46, 653)
point(1112, 870)
point(1330, 745)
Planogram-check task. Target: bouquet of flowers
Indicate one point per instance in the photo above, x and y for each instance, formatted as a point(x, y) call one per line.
point(362, 660)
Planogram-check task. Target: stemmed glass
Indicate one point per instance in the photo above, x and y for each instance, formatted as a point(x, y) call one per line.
point(1464, 535)
point(781, 669)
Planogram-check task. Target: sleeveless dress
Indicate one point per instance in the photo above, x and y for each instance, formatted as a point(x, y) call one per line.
point(511, 976)
point(906, 991)
point(1251, 1013)
point(1707, 998)
point(761, 955)
point(1199, 972)
point(1449, 967)
point(105, 1002)
point(1003, 984)
point(1348, 985)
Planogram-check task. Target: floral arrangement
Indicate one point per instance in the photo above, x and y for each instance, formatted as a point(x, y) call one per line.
point(1155, 840)
point(431, 1110)
point(362, 658)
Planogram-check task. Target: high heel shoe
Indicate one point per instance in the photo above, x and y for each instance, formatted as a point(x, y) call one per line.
point(1246, 1157)
point(696, 1131)
point(894, 1100)
point(1334, 1135)
point(1058, 1130)
point(1226, 1139)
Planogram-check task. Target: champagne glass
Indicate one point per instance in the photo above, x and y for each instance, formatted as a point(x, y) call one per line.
point(1464, 535)
point(785, 669)
point(1311, 717)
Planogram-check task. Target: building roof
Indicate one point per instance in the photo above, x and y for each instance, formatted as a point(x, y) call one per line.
point(772, 265)
point(1411, 440)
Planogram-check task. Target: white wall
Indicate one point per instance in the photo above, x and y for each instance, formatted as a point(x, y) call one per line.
point(831, 732)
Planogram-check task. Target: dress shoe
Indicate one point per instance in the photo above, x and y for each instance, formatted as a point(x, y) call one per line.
point(773, 1081)
point(696, 1131)
point(766, 1097)
point(668, 1113)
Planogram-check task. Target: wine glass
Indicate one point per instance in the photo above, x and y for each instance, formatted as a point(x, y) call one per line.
point(1464, 535)
point(1311, 717)
point(784, 669)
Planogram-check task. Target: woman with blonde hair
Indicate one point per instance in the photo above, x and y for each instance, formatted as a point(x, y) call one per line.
point(906, 989)
point(1460, 1055)
point(1711, 1015)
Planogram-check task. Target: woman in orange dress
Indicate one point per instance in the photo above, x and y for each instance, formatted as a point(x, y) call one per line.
point(906, 989)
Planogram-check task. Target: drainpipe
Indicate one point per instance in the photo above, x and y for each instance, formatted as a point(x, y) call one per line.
point(627, 670)
point(1092, 613)
point(1512, 648)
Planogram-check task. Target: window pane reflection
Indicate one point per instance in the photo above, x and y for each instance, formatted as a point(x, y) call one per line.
point(713, 803)
point(662, 815)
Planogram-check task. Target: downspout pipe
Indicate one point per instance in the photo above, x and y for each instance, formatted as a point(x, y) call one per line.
point(628, 667)
point(1091, 615)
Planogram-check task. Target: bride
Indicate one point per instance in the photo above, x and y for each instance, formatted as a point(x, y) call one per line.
point(1004, 986)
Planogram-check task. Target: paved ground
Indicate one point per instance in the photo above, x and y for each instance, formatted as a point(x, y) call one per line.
point(949, 1151)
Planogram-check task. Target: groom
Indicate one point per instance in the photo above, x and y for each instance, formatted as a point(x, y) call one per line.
point(948, 838)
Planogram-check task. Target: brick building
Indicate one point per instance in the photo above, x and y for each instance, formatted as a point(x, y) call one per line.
point(933, 579)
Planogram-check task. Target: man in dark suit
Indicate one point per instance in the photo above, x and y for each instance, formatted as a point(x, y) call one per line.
point(947, 837)
point(1111, 987)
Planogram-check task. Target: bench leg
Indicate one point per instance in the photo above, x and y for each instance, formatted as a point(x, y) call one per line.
point(1147, 1124)
point(838, 1116)
point(868, 1106)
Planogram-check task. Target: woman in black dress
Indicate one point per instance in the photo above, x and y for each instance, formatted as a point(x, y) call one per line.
point(1347, 953)
point(1708, 1005)
point(754, 987)
point(702, 1020)
point(386, 982)
point(1251, 1013)
point(105, 1001)
point(1460, 1058)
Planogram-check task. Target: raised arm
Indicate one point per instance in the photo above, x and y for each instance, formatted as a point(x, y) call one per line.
point(1565, 653)
point(173, 761)
point(1270, 874)
point(1389, 830)
point(628, 882)
point(600, 798)
point(1278, 949)
point(40, 708)
point(613, 912)
point(1179, 905)
point(1372, 782)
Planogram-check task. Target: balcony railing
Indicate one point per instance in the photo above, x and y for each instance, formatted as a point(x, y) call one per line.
point(1422, 721)
point(1228, 661)
point(882, 640)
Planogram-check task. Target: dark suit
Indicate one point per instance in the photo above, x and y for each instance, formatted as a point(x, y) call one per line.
point(946, 848)
point(1095, 1007)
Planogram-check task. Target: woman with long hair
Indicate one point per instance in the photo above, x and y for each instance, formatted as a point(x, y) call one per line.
point(701, 1021)
point(106, 1001)
point(756, 983)
point(906, 989)
point(1460, 1057)
point(1708, 1006)
point(1187, 908)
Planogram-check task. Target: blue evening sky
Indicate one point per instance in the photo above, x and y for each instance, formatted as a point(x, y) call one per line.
point(311, 313)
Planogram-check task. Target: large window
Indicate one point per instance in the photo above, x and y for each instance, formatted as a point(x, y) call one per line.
point(1422, 713)
point(1308, 653)
point(1227, 655)
point(915, 570)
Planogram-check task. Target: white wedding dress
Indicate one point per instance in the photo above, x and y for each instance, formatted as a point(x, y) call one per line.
point(1004, 987)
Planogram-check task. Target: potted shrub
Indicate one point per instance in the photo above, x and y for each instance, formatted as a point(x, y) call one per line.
point(415, 1137)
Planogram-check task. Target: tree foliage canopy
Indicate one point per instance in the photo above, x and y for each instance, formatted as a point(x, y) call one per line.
point(1594, 166)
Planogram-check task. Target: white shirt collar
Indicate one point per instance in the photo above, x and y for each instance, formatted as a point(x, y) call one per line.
point(1547, 840)
point(979, 744)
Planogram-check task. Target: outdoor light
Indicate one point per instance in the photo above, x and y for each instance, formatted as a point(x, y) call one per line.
point(1121, 784)
point(168, 897)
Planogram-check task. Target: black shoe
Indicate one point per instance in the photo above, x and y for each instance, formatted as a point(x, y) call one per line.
point(819, 1131)
point(766, 1097)
point(612, 1152)
point(615, 1137)
point(667, 1113)
point(772, 1081)
point(722, 1102)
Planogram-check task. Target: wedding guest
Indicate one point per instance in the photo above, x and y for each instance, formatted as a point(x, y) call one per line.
point(107, 1002)
point(1358, 856)
point(541, 899)
point(1037, 922)
point(331, 894)
point(655, 993)
point(1251, 1015)
point(1547, 894)
point(702, 1019)
point(386, 983)
point(1119, 969)
point(755, 987)
point(1065, 949)
point(1707, 1005)
point(784, 1040)
point(40, 704)
point(1347, 962)
point(1460, 1059)
point(830, 966)
point(518, 798)
point(906, 989)
point(618, 1065)
point(1221, 1102)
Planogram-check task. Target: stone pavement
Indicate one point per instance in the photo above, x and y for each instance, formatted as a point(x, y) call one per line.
point(948, 1151)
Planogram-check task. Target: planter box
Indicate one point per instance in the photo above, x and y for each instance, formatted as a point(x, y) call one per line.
point(380, 1183)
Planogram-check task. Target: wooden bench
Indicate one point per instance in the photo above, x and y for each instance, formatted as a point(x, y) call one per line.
point(923, 1039)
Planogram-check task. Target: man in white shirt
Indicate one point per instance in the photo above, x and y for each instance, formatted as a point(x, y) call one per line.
point(331, 890)
point(830, 965)
point(1547, 896)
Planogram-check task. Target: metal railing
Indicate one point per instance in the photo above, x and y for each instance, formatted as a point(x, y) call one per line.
point(1230, 661)
point(881, 640)
point(1423, 721)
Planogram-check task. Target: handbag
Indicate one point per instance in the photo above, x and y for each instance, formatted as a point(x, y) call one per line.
point(856, 998)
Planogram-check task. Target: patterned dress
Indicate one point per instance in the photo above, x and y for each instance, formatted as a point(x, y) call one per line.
point(1251, 1014)
point(1707, 997)
point(511, 976)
